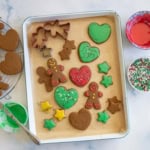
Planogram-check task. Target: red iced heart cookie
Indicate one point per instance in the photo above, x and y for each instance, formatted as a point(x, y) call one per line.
point(140, 33)
point(9, 41)
point(80, 77)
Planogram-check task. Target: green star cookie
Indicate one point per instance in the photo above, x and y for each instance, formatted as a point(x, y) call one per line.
point(103, 117)
point(49, 124)
point(103, 67)
point(106, 81)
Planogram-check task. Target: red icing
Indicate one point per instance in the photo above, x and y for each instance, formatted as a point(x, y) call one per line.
point(138, 29)
point(140, 33)
point(80, 77)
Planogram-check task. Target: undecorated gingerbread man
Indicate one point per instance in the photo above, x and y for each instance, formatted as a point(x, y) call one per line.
point(55, 71)
point(93, 95)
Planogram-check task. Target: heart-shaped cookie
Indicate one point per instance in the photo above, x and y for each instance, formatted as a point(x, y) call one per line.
point(88, 53)
point(99, 33)
point(81, 76)
point(12, 64)
point(9, 41)
point(65, 98)
point(80, 120)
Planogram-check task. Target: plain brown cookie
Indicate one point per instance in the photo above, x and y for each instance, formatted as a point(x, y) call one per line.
point(114, 105)
point(67, 48)
point(12, 64)
point(3, 86)
point(80, 120)
point(9, 41)
point(44, 78)
point(1, 26)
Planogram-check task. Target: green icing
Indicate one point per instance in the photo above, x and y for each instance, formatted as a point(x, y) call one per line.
point(49, 124)
point(106, 81)
point(103, 117)
point(103, 67)
point(88, 53)
point(65, 98)
point(3, 119)
point(99, 33)
point(18, 111)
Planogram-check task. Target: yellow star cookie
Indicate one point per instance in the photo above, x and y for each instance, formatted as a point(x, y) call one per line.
point(45, 105)
point(59, 114)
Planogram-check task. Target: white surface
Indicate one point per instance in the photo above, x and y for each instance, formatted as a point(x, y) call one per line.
point(14, 12)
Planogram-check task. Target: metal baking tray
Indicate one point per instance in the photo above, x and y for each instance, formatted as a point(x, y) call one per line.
point(115, 56)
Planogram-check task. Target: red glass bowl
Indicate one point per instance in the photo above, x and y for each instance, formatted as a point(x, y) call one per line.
point(138, 17)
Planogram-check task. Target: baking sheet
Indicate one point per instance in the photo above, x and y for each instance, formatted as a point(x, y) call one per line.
point(110, 51)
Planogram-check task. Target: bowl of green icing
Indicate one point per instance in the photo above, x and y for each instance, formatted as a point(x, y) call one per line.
point(18, 110)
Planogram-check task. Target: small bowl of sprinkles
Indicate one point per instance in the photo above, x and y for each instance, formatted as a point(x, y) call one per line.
point(139, 74)
point(138, 29)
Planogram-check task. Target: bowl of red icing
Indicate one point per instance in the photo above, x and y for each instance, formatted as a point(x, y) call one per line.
point(138, 29)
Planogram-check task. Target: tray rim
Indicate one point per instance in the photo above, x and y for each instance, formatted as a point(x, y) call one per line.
point(65, 16)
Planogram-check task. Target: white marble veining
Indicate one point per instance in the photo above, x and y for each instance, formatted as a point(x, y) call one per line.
point(14, 12)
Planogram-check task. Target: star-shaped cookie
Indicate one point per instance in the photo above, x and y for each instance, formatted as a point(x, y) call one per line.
point(103, 117)
point(114, 105)
point(106, 81)
point(103, 67)
point(49, 124)
point(69, 44)
point(59, 114)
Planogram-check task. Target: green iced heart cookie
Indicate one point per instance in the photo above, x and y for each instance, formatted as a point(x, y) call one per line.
point(99, 33)
point(88, 53)
point(65, 98)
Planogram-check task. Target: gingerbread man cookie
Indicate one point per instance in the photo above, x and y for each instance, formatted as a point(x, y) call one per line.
point(93, 94)
point(44, 78)
point(55, 71)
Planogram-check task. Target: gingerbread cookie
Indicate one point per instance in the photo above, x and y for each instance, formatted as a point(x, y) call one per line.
point(88, 53)
point(1, 26)
point(65, 98)
point(67, 48)
point(57, 29)
point(80, 120)
point(81, 76)
point(44, 78)
point(114, 105)
point(93, 95)
point(12, 64)
point(10, 40)
point(3, 86)
point(99, 33)
point(55, 71)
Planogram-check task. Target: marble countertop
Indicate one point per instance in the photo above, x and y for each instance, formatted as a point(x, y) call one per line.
point(14, 13)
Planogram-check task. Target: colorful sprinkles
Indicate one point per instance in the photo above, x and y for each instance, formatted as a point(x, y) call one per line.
point(139, 74)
